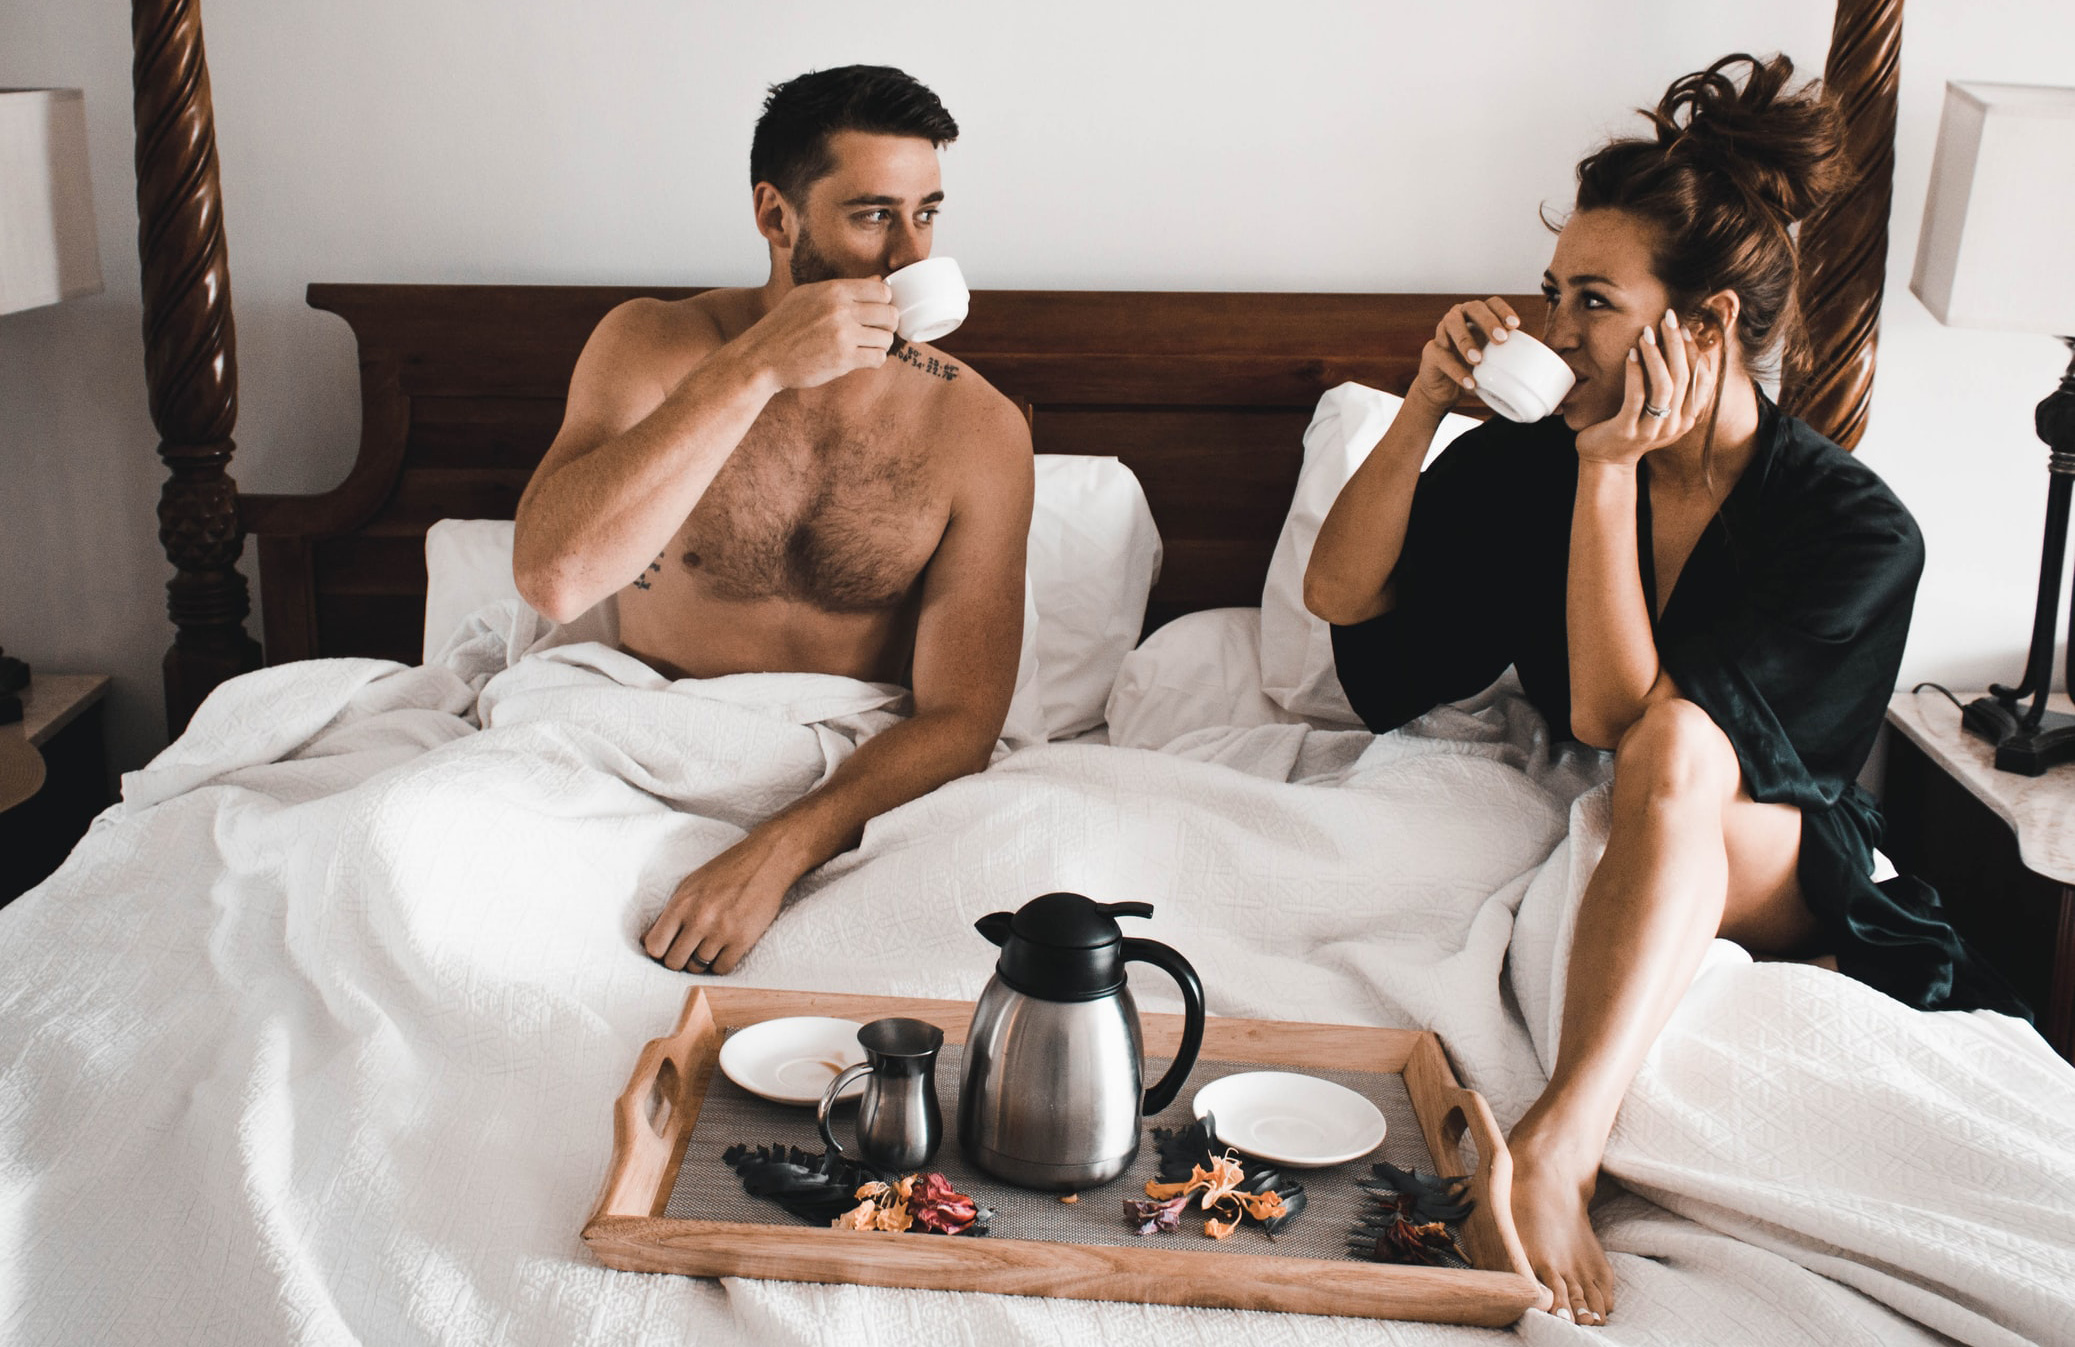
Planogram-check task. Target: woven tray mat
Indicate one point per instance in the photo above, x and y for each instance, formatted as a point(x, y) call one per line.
point(706, 1188)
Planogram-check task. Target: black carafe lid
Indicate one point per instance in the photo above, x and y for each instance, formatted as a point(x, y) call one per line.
point(1062, 946)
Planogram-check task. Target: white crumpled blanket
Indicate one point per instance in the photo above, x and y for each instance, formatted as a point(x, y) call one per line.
point(315, 1037)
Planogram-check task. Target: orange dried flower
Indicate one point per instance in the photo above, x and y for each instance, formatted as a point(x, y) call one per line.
point(1219, 1185)
point(1262, 1206)
point(1224, 1175)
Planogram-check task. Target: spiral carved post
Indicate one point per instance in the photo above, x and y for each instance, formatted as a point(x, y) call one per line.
point(190, 352)
point(1844, 247)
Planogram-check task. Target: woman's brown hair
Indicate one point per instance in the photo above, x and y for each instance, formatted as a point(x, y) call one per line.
point(1729, 172)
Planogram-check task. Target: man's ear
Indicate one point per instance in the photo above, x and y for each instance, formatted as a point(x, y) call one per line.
point(776, 219)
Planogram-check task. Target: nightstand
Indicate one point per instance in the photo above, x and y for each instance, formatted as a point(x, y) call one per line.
point(2000, 849)
point(61, 714)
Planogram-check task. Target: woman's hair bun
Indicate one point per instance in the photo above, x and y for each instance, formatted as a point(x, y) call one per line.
point(1784, 148)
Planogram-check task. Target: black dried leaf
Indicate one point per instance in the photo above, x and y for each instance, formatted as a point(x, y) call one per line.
point(1432, 1199)
point(815, 1188)
point(1183, 1149)
point(1408, 1217)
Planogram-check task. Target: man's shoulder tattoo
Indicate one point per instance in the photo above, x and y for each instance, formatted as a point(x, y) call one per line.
point(641, 581)
point(933, 366)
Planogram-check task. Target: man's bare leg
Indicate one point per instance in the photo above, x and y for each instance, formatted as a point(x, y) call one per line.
point(1688, 856)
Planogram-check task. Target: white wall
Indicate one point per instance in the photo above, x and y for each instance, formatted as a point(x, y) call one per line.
point(1216, 145)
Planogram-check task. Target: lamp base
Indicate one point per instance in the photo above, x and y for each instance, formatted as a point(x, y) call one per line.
point(2025, 750)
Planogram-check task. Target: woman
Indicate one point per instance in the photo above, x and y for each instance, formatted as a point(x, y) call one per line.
point(1679, 573)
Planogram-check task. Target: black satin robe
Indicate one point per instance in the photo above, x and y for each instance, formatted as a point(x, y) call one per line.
point(1786, 625)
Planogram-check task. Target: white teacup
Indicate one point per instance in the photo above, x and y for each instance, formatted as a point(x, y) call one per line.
point(1520, 378)
point(931, 296)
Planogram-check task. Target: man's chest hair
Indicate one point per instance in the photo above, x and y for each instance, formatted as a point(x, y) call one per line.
point(840, 512)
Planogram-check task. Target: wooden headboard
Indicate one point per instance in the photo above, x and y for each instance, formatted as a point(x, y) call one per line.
point(1205, 396)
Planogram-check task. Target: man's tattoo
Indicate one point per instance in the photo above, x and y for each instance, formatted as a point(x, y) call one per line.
point(928, 364)
point(641, 581)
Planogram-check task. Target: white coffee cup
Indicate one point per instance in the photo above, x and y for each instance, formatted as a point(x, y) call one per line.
point(1520, 378)
point(931, 296)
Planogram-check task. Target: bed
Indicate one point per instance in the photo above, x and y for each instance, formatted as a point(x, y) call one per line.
point(315, 1037)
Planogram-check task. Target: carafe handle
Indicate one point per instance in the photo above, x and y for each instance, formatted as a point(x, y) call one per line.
point(1175, 966)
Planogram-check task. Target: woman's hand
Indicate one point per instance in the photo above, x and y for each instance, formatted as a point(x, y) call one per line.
point(1667, 391)
point(1447, 367)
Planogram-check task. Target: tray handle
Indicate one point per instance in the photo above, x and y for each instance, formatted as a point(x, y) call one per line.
point(651, 1120)
point(1492, 1223)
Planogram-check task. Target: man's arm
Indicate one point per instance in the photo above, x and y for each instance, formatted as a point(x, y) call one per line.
point(967, 641)
point(637, 451)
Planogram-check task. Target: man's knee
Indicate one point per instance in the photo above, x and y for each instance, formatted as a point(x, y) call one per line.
point(1675, 750)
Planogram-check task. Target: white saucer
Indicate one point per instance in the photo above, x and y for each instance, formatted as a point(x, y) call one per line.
point(1294, 1120)
point(792, 1060)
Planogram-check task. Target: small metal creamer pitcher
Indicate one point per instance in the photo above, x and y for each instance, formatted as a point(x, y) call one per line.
point(899, 1123)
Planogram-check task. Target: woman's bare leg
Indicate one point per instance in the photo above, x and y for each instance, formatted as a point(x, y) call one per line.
point(1689, 856)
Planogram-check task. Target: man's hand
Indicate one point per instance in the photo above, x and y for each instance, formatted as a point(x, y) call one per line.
point(722, 909)
point(821, 332)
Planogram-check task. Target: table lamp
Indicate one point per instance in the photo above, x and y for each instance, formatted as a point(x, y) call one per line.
point(48, 252)
point(1998, 250)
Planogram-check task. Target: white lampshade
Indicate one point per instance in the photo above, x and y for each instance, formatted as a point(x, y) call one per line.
point(48, 248)
point(1998, 246)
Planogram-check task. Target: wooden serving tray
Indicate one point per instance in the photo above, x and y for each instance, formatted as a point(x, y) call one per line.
point(654, 1118)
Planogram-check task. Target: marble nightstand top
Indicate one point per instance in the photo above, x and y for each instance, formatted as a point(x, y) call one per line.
point(2039, 809)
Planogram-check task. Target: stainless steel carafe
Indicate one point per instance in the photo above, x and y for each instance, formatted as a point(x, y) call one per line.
point(1051, 1093)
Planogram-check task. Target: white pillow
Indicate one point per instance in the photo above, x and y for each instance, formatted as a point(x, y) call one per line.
point(1203, 669)
point(1094, 555)
point(1297, 648)
point(468, 563)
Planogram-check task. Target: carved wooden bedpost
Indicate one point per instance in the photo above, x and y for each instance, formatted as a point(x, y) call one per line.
point(190, 352)
point(1844, 249)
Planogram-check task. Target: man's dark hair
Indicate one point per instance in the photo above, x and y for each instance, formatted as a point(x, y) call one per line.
point(791, 147)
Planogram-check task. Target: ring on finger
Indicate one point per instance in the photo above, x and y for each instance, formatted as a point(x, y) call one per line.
point(703, 965)
point(1658, 412)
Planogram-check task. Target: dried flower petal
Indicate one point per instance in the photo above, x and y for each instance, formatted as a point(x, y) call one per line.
point(1224, 1175)
point(1070, 1198)
point(1217, 1229)
point(859, 1217)
point(1161, 1192)
point(939, 1207)
point(1154, 1216)
point(1262, 1206)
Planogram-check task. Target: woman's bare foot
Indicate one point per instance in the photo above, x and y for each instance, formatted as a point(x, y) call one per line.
point(1552, 1183)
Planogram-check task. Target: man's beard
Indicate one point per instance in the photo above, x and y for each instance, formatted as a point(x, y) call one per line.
point(808, 263)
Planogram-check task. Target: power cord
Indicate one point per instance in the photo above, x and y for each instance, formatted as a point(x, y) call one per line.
point(1942, 690)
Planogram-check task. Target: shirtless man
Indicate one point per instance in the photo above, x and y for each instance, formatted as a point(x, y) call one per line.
point(770, 480)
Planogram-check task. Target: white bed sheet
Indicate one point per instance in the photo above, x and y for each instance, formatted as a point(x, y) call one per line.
point(314, 1038)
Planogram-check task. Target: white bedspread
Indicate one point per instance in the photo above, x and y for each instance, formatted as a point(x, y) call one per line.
point(314, 1039)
